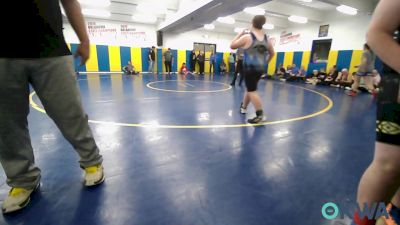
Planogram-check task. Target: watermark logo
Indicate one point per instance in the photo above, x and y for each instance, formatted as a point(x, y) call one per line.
point(331, 211)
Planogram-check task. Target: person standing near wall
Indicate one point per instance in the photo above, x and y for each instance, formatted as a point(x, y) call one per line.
point(45, 62)
point(381, 181)
point(152, 59)
point(231, 61)
point(239, 67)
point(201, 60)
point(168, 60)
point(193, 59)
point(213, 61)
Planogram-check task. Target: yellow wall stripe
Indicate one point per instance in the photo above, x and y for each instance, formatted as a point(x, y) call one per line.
point(115, 58)
point(136, 58)
point(355, 60)
point(272, 66)
point(92, 63)
point(226, 60)
point(288, 60)
point(69, 46)
point(306, 59)
point(332, 60)
point(207, 63)
point(181, 58)
point(162, 57)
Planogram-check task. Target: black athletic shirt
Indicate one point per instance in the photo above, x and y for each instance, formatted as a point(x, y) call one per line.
point(32, 29)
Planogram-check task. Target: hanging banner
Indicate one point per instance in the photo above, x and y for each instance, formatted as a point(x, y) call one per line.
point(287, 38)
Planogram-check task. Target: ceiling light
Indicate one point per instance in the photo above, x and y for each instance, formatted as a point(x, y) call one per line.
point(226, 20)
point(306, 1)
point(254, 11)
point(96, 3)
point(96, 12)
point(268, 26)
point(347, 10)
point(239, 29)
point(209, 26)
point(141, 18)
point(298, 19)
point(158, 8)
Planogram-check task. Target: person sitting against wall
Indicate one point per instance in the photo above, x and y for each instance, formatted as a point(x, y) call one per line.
point(322, 76)
point(184, 69)
point(301, 75)
point(312, 79)
point(129, 69)
point(332, 76)
point(343, 79)
point(293, 72)
point(280, 72)
point(222, 67)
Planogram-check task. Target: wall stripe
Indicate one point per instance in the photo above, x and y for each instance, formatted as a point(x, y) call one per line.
point(280, 56)
point(207, 62)
point(226, 60)
point(103, 58)
point(220, 58)
point(115, 58)
point(125, 55)
point(288, 59)
point(306, 59)
point(77, 60)
point(136, 58)
point(344, 59)
point(332, 60)
point(297, 58)
point(145, 59)
point(159, 61)
point(272, 66)
point(92, 64)
point(175, 61)
point(355, 60)
point(188, 59)
point(182, 59)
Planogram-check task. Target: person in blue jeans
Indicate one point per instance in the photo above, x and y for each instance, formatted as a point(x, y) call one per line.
point(213, 60)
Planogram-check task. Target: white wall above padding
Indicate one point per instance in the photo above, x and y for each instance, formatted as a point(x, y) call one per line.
point(346, 32)
point(115, 33)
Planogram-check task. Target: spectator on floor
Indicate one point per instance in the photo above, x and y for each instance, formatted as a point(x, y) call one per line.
point(222, 67)
point(184, 69)
point(129, 69)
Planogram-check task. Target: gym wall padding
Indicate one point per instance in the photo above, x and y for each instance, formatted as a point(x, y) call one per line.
point(113, 58)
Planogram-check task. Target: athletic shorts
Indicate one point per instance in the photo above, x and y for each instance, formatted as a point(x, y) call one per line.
point(362, 74)
point(388, 110)
point(251, 78)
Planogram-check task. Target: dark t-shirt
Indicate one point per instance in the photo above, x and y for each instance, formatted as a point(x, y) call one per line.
point(34, 29)
point(193, 56)
point(200, 58)
point(152, 55)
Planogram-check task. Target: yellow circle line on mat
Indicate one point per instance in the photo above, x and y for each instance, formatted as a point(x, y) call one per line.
point(326, 109)
point(167, 90)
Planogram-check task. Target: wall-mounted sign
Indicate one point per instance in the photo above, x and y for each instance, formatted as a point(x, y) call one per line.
point(287, 38)
point(323, 31)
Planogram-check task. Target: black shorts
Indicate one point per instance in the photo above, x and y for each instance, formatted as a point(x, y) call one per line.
point(251, 77)
point(388, 110)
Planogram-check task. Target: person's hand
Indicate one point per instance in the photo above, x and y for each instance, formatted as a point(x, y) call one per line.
point(83, 51)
